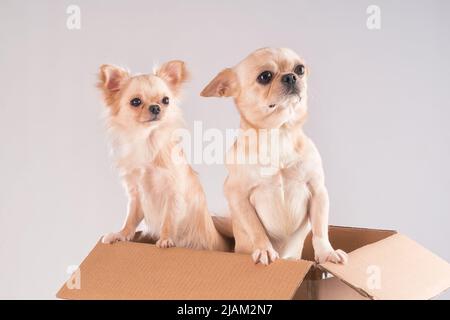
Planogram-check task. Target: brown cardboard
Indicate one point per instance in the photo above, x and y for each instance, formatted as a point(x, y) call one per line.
point(143, 271)
point(327, 289)
point(348, 239)
point(405, 270)
point(139, 270)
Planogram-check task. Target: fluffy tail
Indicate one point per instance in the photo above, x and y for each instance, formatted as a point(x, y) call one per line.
point(224, 240)
point(223, 225)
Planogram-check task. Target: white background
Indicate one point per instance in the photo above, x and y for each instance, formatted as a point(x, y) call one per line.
point(379, 112)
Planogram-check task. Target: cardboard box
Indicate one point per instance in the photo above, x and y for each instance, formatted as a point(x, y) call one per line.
point(383, 264)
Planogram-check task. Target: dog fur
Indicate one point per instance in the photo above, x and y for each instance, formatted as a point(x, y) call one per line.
point(162, 188)
point(274, 206)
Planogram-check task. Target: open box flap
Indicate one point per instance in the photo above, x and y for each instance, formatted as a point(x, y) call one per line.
point(394, 268)
point(129, 270)
point(347, 239)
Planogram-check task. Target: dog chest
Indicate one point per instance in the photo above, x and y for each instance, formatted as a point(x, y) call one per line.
point(281, 202)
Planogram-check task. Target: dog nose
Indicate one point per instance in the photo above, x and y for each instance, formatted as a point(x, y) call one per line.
point(289, 79)
point(155, 109)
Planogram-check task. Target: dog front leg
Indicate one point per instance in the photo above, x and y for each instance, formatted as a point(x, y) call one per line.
point(173, 209)
point(134, 217)
point(318, 214)
point(251, 230)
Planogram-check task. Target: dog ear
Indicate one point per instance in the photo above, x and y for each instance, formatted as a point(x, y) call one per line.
point(111, 79)
point(225, 84)
point(174, 73)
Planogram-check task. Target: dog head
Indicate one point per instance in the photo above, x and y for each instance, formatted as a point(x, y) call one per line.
point(269, 87)
point(142, 101)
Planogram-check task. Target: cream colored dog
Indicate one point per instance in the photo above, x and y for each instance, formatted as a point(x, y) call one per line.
point(142, 119)
point(274, 204)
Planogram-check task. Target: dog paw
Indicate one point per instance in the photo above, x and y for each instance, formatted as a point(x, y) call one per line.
point(335, 256)
point(324, 252)
point(113, 237)
point(265, 256)
point(165, 243)
point(117, 236)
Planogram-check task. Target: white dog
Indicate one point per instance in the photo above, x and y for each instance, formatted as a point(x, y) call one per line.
point(273, 207)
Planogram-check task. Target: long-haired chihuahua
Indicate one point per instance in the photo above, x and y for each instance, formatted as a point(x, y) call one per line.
point(142, 120)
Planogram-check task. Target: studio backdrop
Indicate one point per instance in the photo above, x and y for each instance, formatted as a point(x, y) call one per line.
point(378, 112)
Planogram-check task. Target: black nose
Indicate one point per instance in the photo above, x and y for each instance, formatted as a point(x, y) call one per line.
point(289, 79)
point(155, 109)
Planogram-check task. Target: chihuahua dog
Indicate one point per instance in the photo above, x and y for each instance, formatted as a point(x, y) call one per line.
point(274, 204)
point(142, 118)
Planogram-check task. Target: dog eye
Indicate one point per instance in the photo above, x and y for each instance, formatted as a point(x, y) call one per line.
point(265, 77)
point(165, 100)
point(136, 102)
point(300, 70)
